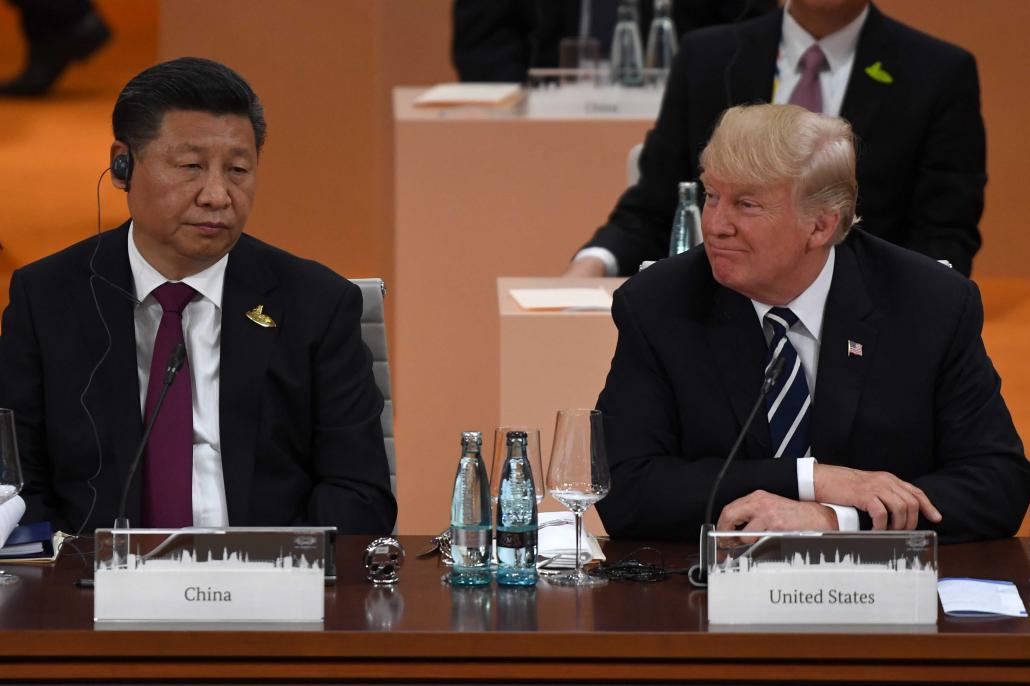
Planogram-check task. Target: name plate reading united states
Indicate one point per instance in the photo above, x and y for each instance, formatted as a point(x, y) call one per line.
point(822, 578)
point(249, 575)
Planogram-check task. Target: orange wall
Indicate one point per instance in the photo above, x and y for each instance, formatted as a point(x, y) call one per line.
point(324, 70)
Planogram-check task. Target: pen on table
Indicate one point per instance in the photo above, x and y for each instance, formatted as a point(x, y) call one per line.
point(84, 582)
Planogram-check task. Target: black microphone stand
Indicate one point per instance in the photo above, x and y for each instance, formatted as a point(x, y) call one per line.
point(699, 575)
point(175, 362)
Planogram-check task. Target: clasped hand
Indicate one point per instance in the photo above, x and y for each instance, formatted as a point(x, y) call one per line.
point(891, 503)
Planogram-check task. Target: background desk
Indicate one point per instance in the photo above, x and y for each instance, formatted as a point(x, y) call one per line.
point(423, 630)
point(560, 359)
point(479, 194)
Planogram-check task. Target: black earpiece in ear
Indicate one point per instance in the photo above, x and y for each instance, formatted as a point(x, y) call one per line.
point(121, 169)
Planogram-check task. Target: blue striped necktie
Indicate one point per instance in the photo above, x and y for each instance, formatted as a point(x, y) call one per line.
point(788, 402)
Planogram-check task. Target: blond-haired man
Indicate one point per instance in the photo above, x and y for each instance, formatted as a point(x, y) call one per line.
point(888, 413)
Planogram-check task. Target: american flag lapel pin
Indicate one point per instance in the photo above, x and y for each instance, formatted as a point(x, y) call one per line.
point(854, 349)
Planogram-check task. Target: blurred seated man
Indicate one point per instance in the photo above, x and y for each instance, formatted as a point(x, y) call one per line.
point(912, 100)
point(274, 419)
point(888, 413)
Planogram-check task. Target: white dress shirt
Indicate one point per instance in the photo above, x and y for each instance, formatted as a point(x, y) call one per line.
point(839, 48)
point(202, 330)
point(805, 336)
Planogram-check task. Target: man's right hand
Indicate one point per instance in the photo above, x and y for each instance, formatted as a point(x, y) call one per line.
point(887, 499)
point(585, 267)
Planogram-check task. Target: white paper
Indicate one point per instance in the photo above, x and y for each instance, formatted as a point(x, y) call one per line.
point(592, 299)
point(448, 94)
point(10, 514)
point(963, 597)
point(556, 543)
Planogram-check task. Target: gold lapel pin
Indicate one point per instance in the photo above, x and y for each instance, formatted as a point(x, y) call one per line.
point(258, 316)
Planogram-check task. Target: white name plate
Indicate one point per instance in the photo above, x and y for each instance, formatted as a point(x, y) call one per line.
point(832, 579)
point(588, 101)
point(824, 597)
point(284, 595)
point(209, 575)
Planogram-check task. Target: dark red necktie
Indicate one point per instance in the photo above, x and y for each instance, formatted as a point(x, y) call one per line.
point(168, 467)
point(808, 93)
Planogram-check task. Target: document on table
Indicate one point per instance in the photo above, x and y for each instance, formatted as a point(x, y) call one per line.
point(963, 597)
point(484, 94)
point(581, 299)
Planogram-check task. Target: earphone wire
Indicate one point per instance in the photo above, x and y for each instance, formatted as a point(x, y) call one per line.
point(94, 276)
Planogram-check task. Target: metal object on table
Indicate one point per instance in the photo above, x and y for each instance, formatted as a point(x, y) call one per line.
point(383, 559)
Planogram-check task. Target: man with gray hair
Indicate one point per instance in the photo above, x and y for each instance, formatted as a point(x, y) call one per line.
point(888, 412)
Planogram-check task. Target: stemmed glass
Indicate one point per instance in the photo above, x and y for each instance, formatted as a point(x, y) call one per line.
point(10, 473)
point(578, 477)
point(536, 464)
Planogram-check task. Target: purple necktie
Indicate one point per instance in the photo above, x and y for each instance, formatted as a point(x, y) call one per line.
point(168, 467)
point(807, 93)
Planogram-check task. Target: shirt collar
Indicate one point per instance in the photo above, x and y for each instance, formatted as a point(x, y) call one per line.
point(839, 47)
point(811, 304)
point(145, 278)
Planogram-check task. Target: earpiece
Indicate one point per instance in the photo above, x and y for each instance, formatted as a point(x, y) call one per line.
point(121, 168)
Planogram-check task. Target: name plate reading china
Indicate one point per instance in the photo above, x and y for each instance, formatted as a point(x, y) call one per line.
point(210, 575)
point(822, 578)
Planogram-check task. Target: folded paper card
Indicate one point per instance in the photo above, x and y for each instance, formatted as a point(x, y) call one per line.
point(962, 597)
point(10, 514)
point(556, 543)
point(586, 299)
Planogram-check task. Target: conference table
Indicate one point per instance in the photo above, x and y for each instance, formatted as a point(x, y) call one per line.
point(423, 630)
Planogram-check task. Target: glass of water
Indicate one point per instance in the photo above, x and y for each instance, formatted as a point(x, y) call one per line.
point(578, 477)
point(10, 472)
point(536, 464)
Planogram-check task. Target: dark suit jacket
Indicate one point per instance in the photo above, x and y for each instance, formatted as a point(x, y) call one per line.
point(301, 441)
point(922, 401)
point(921, 171)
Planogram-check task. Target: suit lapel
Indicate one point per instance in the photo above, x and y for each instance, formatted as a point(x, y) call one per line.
point(865, 94)
point(114, 397)
point(849, 317)
point(245, 352)
point(752, 73)
point(739, 349)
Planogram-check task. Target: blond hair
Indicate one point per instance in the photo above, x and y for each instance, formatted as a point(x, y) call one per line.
point(766, 145)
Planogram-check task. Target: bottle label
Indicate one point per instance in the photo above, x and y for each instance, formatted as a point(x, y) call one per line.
point(516, 539)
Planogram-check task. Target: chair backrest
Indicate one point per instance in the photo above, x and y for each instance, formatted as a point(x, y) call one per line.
point(373, 333)
point(633, 165)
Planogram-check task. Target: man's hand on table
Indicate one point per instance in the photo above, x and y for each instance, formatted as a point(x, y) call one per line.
point(763, 511)
point(888, 500)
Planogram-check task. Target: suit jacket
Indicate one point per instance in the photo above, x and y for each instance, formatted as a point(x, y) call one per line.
point(922, 401)
point(301, 442)
point(921, 169)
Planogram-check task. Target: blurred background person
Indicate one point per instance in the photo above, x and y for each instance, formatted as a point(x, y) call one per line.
point(501, 40)
point(58, 32)
point(913, 100)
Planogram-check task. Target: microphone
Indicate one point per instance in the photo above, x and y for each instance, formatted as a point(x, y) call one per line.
point(174, 364)
point(699, 575)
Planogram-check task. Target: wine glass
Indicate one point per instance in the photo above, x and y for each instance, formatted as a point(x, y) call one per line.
point(578, 477)
point(10, 473)
point(536, 465)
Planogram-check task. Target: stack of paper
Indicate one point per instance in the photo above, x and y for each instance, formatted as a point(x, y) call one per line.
point(964, 597)
point(482, 94)
point(579, 299)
